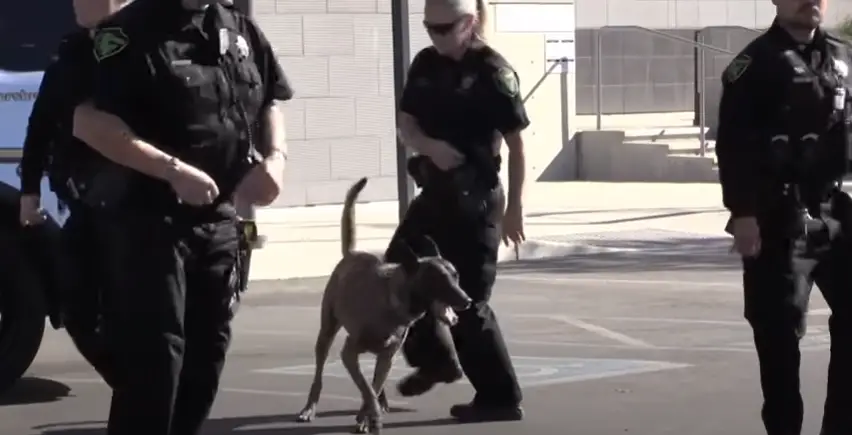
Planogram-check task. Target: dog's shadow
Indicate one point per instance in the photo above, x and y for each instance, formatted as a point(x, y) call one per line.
point(285, 424)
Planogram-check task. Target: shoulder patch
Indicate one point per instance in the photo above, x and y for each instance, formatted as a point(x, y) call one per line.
point(507, 81)
point(737, 68)
point(109, 41)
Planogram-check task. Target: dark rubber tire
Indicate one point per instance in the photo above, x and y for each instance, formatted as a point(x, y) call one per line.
point(22, 308)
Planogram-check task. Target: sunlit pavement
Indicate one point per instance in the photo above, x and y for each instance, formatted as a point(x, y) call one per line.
point(650, 342)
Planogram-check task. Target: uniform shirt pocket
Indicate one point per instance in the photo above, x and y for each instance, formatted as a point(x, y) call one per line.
point(196, 85)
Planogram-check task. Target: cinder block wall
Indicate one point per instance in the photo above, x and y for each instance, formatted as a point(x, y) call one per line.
point(339, 56)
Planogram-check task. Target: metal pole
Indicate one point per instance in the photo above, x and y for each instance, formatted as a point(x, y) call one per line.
point(401, 61)
point(599, 80)
point(702, 101)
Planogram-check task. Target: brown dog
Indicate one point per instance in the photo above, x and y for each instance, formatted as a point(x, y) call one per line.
point(376, 303)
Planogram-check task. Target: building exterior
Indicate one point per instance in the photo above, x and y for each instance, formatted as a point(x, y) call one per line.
point(338, 54)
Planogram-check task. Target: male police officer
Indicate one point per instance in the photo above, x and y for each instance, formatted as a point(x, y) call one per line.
point(180, 84)
point(50, 145)
point(783, 147)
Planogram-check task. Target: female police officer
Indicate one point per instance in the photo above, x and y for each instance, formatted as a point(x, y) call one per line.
point(460, 93)
point(179, 87)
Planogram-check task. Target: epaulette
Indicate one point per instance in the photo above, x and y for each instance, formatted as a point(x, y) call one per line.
point(837, 40)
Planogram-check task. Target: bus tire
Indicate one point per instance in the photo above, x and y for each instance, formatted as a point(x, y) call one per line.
point(22, 309)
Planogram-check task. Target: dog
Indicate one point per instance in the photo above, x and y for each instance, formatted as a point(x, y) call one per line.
point(376, 302)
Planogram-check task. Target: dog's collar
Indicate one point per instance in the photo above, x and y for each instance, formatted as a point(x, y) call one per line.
point(403, 312)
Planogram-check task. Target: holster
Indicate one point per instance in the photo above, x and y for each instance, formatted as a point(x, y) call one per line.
point(465, 186)
point(814, 234)
point(247, 231)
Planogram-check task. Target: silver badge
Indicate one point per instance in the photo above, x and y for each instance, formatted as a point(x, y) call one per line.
point(242, 46)
point(841, 67)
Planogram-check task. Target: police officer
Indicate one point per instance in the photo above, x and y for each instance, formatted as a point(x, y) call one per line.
point(50, 146)
point(461, 96)
point(783, 148)
point(179, 86)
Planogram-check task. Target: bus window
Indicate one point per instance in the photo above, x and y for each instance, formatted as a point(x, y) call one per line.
point(30, 32)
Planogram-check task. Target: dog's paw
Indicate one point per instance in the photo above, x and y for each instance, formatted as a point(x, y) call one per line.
point(368, 425)
point(383, 402)
point(307, 415)
point(361, 427)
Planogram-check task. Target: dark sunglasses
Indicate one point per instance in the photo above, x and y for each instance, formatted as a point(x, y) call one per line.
point(442, 28)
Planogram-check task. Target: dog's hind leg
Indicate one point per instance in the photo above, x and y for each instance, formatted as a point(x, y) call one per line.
point(329, 326)
point(384, 362)
point(349, 358)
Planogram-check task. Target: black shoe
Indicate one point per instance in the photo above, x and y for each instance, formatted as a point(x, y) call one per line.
point(475, 413)
point(420, 382)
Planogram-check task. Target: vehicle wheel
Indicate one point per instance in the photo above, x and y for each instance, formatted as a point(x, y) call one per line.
point(22, 310)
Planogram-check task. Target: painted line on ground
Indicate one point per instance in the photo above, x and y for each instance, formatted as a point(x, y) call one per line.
point(720, 349)
point(249, 391)
point(670, 285)
point(600, 331)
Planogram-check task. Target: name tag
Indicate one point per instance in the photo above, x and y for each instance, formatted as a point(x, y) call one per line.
point(839, 98)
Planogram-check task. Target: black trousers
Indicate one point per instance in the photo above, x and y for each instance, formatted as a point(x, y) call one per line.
point(776, 301)
point(81, 290)
point(167, 316)
point(470, 243)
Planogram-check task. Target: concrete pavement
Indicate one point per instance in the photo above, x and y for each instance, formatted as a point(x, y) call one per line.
point(562, 218)
point(643, 343)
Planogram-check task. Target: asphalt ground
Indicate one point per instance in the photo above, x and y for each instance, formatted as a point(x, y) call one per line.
point(648, 342)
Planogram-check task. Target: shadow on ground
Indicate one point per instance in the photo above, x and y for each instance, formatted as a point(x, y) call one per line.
point(260, 425)
point(670, 254)
point(664, 252)
point(34, 390)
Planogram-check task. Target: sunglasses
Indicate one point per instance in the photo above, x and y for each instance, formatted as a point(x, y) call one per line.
point(441, 28)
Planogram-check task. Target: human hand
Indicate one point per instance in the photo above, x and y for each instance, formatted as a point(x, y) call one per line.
point(513, 225)
point(192, 185)
point(262, 185)
point(30, 212)
point(443, 155)
point(746, 236)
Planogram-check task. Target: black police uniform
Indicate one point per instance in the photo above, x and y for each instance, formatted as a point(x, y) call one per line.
point(51, 147)
point(783, 144)
point(190, 82)
point(464, 103)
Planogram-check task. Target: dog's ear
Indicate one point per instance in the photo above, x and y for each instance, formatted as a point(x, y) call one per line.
point(408, 259)
point(431, 248)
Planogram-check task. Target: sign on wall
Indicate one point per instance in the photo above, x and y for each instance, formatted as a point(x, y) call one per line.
point(556, 21)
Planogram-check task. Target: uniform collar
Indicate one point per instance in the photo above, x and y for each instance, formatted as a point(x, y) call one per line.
point(784, 37)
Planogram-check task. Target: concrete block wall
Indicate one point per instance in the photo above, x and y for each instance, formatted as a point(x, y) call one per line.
point(339, 56)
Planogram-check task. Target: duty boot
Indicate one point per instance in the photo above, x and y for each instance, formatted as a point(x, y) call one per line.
point(421, 381)
point(475, 412)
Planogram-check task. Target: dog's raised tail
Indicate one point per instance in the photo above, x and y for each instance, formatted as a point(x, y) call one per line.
point(347, 221)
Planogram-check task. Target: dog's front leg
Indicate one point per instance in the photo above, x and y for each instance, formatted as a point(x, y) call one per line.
point(384, 362)
point(349, 358)
point(328, 330)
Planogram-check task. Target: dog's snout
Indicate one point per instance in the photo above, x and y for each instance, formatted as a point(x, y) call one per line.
point(463, 303)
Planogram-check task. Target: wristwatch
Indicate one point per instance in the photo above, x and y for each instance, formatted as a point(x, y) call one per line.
point(276, 153)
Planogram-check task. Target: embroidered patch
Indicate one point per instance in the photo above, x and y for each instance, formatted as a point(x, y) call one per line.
point(109, 41)
point(507, 81)
point(737, 68)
